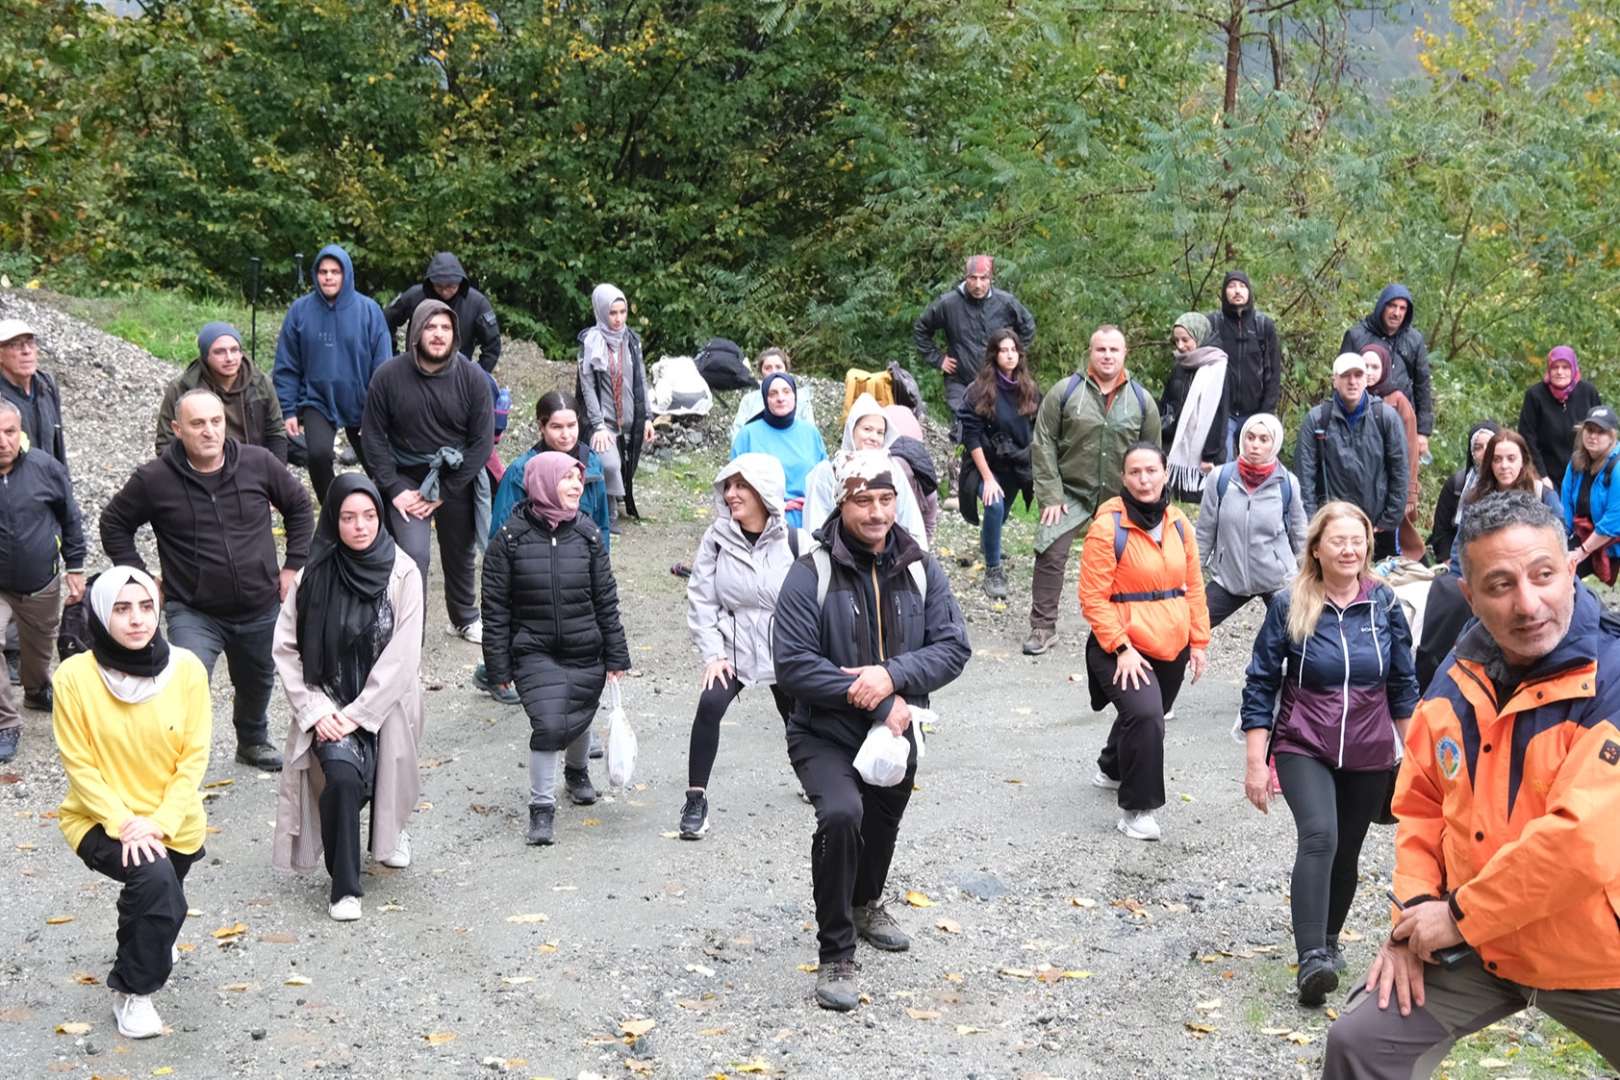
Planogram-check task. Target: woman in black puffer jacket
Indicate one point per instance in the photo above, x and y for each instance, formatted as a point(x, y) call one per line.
point(551, 625)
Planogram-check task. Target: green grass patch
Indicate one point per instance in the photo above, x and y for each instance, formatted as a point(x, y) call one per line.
point(165, 324)
point(1529, 1044)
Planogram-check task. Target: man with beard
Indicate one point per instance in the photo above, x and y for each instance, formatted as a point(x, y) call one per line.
point(1253, 356)
point(429, 429)
point(475, 319)
point(252, 411)
point(1390, 325)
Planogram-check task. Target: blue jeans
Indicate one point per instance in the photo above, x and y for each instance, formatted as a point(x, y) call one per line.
point(246, 643)
point(1234, 424)
point(991, 520)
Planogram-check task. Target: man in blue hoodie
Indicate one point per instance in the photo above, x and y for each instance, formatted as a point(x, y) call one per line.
point(332, 341)
point(1390, 325)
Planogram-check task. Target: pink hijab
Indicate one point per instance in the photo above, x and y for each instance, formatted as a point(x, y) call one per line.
point(540, 479)
point(1562, 354)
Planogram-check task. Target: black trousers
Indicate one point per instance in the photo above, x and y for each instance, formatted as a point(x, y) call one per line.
point(341, 800)
point(856, 826)
point(1134, 753)
point(320, 436)
point(151, 909)
point(458, 550)
point(1223, 604)
point(1332, 809)
point(711, 707)
point(1385, 544)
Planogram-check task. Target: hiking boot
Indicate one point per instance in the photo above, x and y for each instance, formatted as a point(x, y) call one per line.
point(542, 819)
point(695, 816)
point(995, 582)
point(835, 986)
point(259, 756)
point(1139, 825)
point(44, 701)
point(137, 1018)
point(348, 457)
point(1039, 642)
point(1317, 977)
point(506, 695)
point(580, 789)
point(874, 923)
point(1339, 962)
point(8, 742)
point(1104, 781)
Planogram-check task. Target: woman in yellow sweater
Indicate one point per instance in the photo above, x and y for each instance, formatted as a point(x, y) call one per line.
point(133, 721)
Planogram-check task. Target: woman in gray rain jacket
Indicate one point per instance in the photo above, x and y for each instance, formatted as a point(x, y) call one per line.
point(731, 605)
point(866, 427)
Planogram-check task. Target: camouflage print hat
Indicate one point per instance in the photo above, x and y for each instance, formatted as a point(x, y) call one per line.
point(857, 470)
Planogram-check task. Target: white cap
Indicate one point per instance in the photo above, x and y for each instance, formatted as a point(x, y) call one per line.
point(14, 328)
point(1349, 361)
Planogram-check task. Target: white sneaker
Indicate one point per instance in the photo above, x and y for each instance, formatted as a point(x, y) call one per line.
point(401, 858)
point(1139, 825)
point(346, 909)
point(136, 1017)
point(1169, 714)
point(473, 632)
point(174, 955)
point(1103, 781)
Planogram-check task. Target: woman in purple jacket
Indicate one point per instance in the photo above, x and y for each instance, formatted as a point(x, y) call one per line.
point(1330, 689)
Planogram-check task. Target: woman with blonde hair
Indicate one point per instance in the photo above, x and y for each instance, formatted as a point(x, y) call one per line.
point(1330, 689)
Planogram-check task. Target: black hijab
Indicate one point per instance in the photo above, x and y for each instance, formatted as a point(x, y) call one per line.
point(147, 662)
point(780, 423)
point(339, 595)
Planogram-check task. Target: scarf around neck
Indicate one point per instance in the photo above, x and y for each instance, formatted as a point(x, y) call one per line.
point(1563, 354)
point(130, 675)
point(1147, 515)
point(780, 423)
point(339, 597)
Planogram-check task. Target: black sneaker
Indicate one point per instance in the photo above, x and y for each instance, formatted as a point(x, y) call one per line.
point(578, 782)
point(1339, 962)
point(835, 986)
point(541, 822)
point(8, 742)
point(43, 701)
point(1317, 979)
point(874, 923)
point(695, 816)
point(14, 668)
point(260, 756)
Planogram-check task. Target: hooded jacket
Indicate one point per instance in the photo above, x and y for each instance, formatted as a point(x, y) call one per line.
point(821, 488)
point(416, 411)
point(1254, 355)
point(731, 595)
point(1604, 503)
point(1335, 697)
point(41, 410)
point(329, 350)
point(41, 533)
point(1409, 356)
point(476, 326)
point(872, 614)
point(1448, 504)
point(1549, 425)
point(593, 503)
point(968, 323)
point(1079, 449)
point(252, 410)
point(1364, 465)
point(1250, 541)
point(551, 621)
point(1507, 800)
point(213, 535)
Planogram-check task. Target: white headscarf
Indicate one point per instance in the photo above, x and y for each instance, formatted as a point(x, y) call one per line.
point(601, 342)
point(131, 689)
point(1270, 423)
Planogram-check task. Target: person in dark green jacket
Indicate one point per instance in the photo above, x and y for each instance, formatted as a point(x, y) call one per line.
point(252, 410)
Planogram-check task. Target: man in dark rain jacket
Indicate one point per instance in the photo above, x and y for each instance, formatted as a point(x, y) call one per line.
point(969, 314)
point(1253, 356)
point(475, 319)
point(1390, 324)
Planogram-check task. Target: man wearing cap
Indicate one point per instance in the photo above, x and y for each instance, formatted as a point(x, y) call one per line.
point(968, 314)
point(475, 319)
point(1352, 447)
point(1390, 325)
point(41, 549)
point(252, 410)
point(1253, 355)
point(866, 627)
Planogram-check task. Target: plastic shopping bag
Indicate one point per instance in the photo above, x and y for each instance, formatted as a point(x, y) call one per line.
point(621, 744)
point(882, 758)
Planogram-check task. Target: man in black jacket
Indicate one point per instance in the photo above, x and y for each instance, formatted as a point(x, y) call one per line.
point(475, 319)
point(41, 548)
point(968, 314)
point(1353, 447)
point(1390, 324)
point(866, 627)
point(1253, 356)
point(206, 497)
point(430, 429)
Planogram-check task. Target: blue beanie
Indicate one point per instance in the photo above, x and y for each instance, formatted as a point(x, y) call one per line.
point(212, 332)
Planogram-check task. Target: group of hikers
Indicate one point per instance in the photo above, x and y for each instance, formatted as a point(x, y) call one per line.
point(815, 579)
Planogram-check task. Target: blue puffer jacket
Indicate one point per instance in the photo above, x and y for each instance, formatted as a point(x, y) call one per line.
point(1605, 507)
point(329, 350)
point(1336, 696)
point(593, 504)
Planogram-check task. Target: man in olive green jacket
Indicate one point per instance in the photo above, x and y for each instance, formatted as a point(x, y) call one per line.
point(252, 410)
point(1085, 424)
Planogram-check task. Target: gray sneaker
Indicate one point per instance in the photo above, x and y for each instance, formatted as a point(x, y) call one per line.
point(542, 820)
point(995, 582)
point(1039, 642)
point(835, 986)
point(874, 923)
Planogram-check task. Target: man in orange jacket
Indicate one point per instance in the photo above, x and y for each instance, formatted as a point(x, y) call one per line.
point(1507, 800)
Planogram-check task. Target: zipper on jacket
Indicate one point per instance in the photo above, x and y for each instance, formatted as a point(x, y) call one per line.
point(877, 609)
point(556, 600)
point(1344, 696)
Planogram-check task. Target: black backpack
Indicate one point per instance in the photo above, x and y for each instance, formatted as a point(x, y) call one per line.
point(722, 366)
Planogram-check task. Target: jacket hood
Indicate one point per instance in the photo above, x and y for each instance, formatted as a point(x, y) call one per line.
point(346, 291)
point(1226, 305)
point(1375, 321)
point(866, 405)
point(441, 267)
point(428, 308)
point(764, 474)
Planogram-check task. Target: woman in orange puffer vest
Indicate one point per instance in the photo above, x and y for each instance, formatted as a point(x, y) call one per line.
point(1142, 591)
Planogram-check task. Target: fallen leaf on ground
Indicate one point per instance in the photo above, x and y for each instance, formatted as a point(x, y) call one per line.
point(1077, 974)
point(968, 1029)
point(236, 988)
point(27, 847)
point(165, 1071)
point(187, 946)
point(231, 931)
point(533, 917)
point(590, 821)
point(1082, 901)
point(917, 899)
point(1202, 1029)
point(1331, 1014)
point(699, 969)
point(58, 920)
point(219, 784)
point(192, 913)
point(77, 1027)
point(1017, 973)
point(950, 926)
point(922, 1014)
point(1350, 935)
point(637, 1028)
point(550, 946)
point(297, 980)
point(673, 834)
point(638, 1065)
point(714, 1031)
point(517, 979)
point(1012, 780)
point(1276, 1031)
point(439, 1038)
point(754, 1067)
point(1302, 1039)
point(953, 976)
point(812, 968)
point(84, 978)
point(1208, 1006)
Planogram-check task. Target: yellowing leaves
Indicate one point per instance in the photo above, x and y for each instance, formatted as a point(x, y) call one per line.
point(637, 1028)
point(918, 899)
point(231, 931)
point(58, 920)
point(75, 1027)
point(297, 980)
point(533, 917)
point(440, 1038)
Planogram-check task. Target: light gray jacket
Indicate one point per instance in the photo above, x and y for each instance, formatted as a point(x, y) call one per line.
point(731, 595)
point(1251, 542)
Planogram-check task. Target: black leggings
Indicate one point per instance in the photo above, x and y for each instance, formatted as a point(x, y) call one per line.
point(1332, 809)
point(320, 437)
point(712, 705)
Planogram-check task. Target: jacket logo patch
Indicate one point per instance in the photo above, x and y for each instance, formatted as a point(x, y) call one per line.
point(1610, 752)
point(1450, 756)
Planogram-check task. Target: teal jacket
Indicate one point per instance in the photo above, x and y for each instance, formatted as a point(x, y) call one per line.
point(594, 502)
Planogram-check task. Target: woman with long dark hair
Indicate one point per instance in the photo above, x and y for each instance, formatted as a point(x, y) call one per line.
point(998, 425)
point(1506, 466)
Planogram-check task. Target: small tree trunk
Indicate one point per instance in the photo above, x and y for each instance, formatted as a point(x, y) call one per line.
point(1234, 60)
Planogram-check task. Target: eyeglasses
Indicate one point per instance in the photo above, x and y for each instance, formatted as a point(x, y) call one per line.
point(19, 344)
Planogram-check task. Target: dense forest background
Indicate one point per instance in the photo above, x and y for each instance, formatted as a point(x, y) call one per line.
point(811, 173)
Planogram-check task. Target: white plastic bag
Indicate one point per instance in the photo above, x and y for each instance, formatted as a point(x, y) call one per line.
point(882, 758)
point(621, 744)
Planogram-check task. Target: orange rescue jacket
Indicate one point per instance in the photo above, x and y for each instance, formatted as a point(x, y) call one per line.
point(1514, 805)
point(1153, 596)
